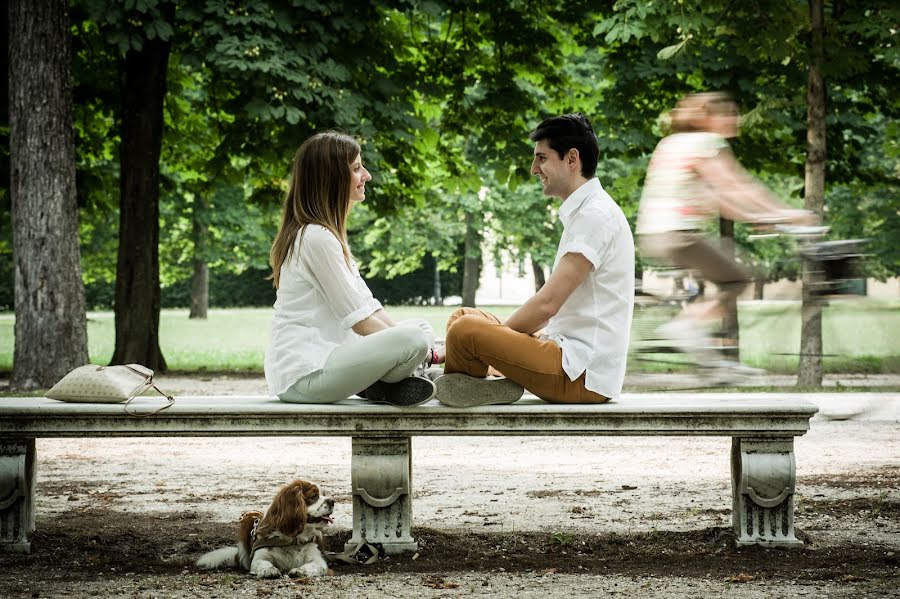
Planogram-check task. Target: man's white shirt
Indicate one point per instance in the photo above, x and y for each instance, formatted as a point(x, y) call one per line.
point(593, 325)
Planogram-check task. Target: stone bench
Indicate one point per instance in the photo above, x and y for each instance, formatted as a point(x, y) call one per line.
point(762, 428)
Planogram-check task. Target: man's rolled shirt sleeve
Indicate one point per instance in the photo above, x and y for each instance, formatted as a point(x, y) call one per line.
point(589, 241)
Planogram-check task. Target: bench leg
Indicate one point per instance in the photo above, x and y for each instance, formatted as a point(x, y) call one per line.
point(17, 471)
point(762, 485)
point(381, 475)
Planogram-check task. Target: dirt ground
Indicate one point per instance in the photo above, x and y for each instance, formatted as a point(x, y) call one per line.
point(506, 517)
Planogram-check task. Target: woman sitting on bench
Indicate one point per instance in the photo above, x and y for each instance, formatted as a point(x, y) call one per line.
point(330, 338)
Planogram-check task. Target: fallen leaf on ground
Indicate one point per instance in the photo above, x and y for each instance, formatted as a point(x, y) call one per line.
point(739, 578)
point(438, 582)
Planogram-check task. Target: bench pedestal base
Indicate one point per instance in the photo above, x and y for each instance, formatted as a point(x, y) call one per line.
point(762, 472)
point(16, 495)
point(381, 476)
point(762, 478)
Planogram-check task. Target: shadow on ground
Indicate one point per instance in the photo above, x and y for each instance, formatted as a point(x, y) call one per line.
point(103, 544)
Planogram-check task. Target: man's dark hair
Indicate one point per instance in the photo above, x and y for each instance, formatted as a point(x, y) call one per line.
point(571, 131)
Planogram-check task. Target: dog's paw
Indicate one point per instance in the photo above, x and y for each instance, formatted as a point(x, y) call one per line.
point(267, 571)
point(308, 571)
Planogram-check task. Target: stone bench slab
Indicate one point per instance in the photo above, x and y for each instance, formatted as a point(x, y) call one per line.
point(762, 427)
point(674, 415)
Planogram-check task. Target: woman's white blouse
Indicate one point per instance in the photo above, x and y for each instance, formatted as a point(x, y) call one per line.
point(675, 197)
point(318, 300)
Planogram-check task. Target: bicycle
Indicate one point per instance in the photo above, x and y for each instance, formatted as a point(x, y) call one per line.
point(833, 269)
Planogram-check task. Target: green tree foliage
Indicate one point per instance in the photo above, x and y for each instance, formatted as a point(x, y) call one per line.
point(443, 95)
point(488, 73)
point(284, 70)
point(247, 84)
point(205, 185)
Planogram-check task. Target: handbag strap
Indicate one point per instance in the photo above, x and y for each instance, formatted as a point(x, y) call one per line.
point(157, 411)
point(140, 369)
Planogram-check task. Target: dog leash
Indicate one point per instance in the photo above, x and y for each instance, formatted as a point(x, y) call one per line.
point(364, 553)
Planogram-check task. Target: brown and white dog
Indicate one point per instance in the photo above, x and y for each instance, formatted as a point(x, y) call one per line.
point(284, 540)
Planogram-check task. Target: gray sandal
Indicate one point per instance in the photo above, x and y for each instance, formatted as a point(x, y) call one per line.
point(463, 391)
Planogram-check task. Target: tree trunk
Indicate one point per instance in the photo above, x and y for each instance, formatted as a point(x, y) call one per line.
point(731, 336)
point(472, 262)
point(200, 280)
point(759, 286)
point(436, 294)
point(810, 370)
point(50, 329)
point(539, 278)
point(200, 290)
point(137, 275)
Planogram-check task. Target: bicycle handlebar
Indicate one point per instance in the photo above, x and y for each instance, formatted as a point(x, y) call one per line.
point(793, 231)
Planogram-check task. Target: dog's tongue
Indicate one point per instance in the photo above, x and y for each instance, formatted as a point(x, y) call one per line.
point(328, 519)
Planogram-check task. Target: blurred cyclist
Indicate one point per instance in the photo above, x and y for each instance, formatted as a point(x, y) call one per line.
point(693, 177)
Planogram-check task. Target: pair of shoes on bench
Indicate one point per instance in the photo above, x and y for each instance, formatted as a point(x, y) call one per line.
point(411, 391)
point(463, 391)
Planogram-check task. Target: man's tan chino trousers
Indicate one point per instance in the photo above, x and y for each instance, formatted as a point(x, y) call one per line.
point(477, 341)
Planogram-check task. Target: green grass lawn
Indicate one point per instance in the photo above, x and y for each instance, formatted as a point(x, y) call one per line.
point(858, 335)
point(861, 334)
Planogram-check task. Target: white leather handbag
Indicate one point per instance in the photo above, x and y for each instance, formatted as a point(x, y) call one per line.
point(107, 384)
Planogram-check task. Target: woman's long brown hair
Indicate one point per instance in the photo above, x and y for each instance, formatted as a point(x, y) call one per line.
point(319, 194)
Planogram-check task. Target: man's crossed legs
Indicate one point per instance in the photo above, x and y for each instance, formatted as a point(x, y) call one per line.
point(479, 345)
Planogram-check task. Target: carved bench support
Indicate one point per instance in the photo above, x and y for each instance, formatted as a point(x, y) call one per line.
point(762, 486)
point(381, 476)
point(16, 495)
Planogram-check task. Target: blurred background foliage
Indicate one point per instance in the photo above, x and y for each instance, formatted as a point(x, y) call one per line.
point(442, 94)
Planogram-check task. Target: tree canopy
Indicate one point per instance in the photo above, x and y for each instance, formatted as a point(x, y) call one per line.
point(442, 95)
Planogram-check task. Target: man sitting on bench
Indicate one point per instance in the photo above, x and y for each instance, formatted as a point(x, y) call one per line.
point(569, 342)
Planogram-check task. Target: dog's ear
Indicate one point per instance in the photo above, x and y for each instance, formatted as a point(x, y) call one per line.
point(287, 514)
